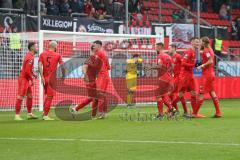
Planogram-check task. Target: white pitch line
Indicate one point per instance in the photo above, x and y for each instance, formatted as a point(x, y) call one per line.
point(119, 141)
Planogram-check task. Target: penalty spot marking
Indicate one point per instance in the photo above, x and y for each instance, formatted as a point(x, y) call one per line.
point(118, 141)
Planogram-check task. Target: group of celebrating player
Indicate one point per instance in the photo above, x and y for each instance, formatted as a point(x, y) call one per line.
point(95, 71)
point(176, 77)
point(172, 67)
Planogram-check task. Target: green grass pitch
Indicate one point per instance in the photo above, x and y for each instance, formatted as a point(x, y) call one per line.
point(115, 139)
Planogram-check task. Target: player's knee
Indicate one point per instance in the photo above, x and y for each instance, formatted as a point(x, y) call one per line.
point(201, 96)
point(159, 99)
point(130, 91)
point(213, 94)
point(193, 93)
point(180, 94)
point(20, 97)
point(29, 96)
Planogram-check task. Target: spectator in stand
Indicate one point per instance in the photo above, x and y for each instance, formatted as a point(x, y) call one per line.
point(194, 5)
point(43, 7)
point(96, 4)
point(88, 8)
point(52, 8)
point(64, 8)
point(204, 4)
point(18, 4)
point(30, 7)
point(118, 9)
point(130, 6)
point(178, 16)
point(237, 25)
point(101, 10)
point(75, 6)
point(6, 4)
point(109, 7)
point(187, 17)
point(224, 13)
point(216, 5)
point(138, 8)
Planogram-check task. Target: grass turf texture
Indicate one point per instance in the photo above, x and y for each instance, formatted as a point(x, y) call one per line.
point(60, 140)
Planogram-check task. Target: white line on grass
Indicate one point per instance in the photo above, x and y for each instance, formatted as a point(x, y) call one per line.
point(119, 141)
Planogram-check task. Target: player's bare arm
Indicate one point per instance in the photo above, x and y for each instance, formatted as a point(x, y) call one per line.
point(84, 69)
point(209, 62)
point(40, 68)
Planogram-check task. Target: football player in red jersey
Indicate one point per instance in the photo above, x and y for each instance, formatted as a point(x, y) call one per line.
point(91, 69)
point(208, 76)
point(177, 61)
point(103, 80)
point(186, 77)
point(47, 65)
point(25, 82)
point(164, 67)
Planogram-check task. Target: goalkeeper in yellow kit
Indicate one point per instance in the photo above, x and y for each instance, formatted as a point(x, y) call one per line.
point(133, 68)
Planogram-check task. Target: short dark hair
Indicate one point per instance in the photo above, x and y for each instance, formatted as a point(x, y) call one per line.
point(206, 39)
point(173, 45)
point(135, 55)
point(30, 44)
point(98, 42)
point(193, 38)
point(160, 44)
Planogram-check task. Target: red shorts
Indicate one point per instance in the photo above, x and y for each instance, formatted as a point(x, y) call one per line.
point(92, 89)
point(187, 83)
point(49, 87)
point(165, 85)
point(102, 83)
point(24, 87)
point(206, 84)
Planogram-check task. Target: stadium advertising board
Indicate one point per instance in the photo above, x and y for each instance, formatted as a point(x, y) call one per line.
point(32, 24)
point(231, 67)
point(57, 23)
point(94, 26)
point(10, 23)
point(144, 30)
point(179, 34)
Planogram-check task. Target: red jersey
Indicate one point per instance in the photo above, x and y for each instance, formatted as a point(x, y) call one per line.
point(50, 61)
point(206, 54)
point(94, 65)
point(188, 61)
point(177, 61)
point(27, 67)
point(105, 64)
point(165, 61)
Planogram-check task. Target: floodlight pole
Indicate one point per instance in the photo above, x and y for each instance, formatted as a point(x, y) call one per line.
point(198, 18)
point(126, 17)
point(159, 8)
point(40, 49)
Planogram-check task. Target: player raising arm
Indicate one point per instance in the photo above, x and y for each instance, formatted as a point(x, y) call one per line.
point(207, 79)
point(47, 65)
point(25, 83)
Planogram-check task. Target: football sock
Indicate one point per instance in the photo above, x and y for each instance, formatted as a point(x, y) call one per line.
point(18, 106)
point(184, 105)
point(160, 107)
point(47, 105)
point(29, 104)
point(83, 104)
